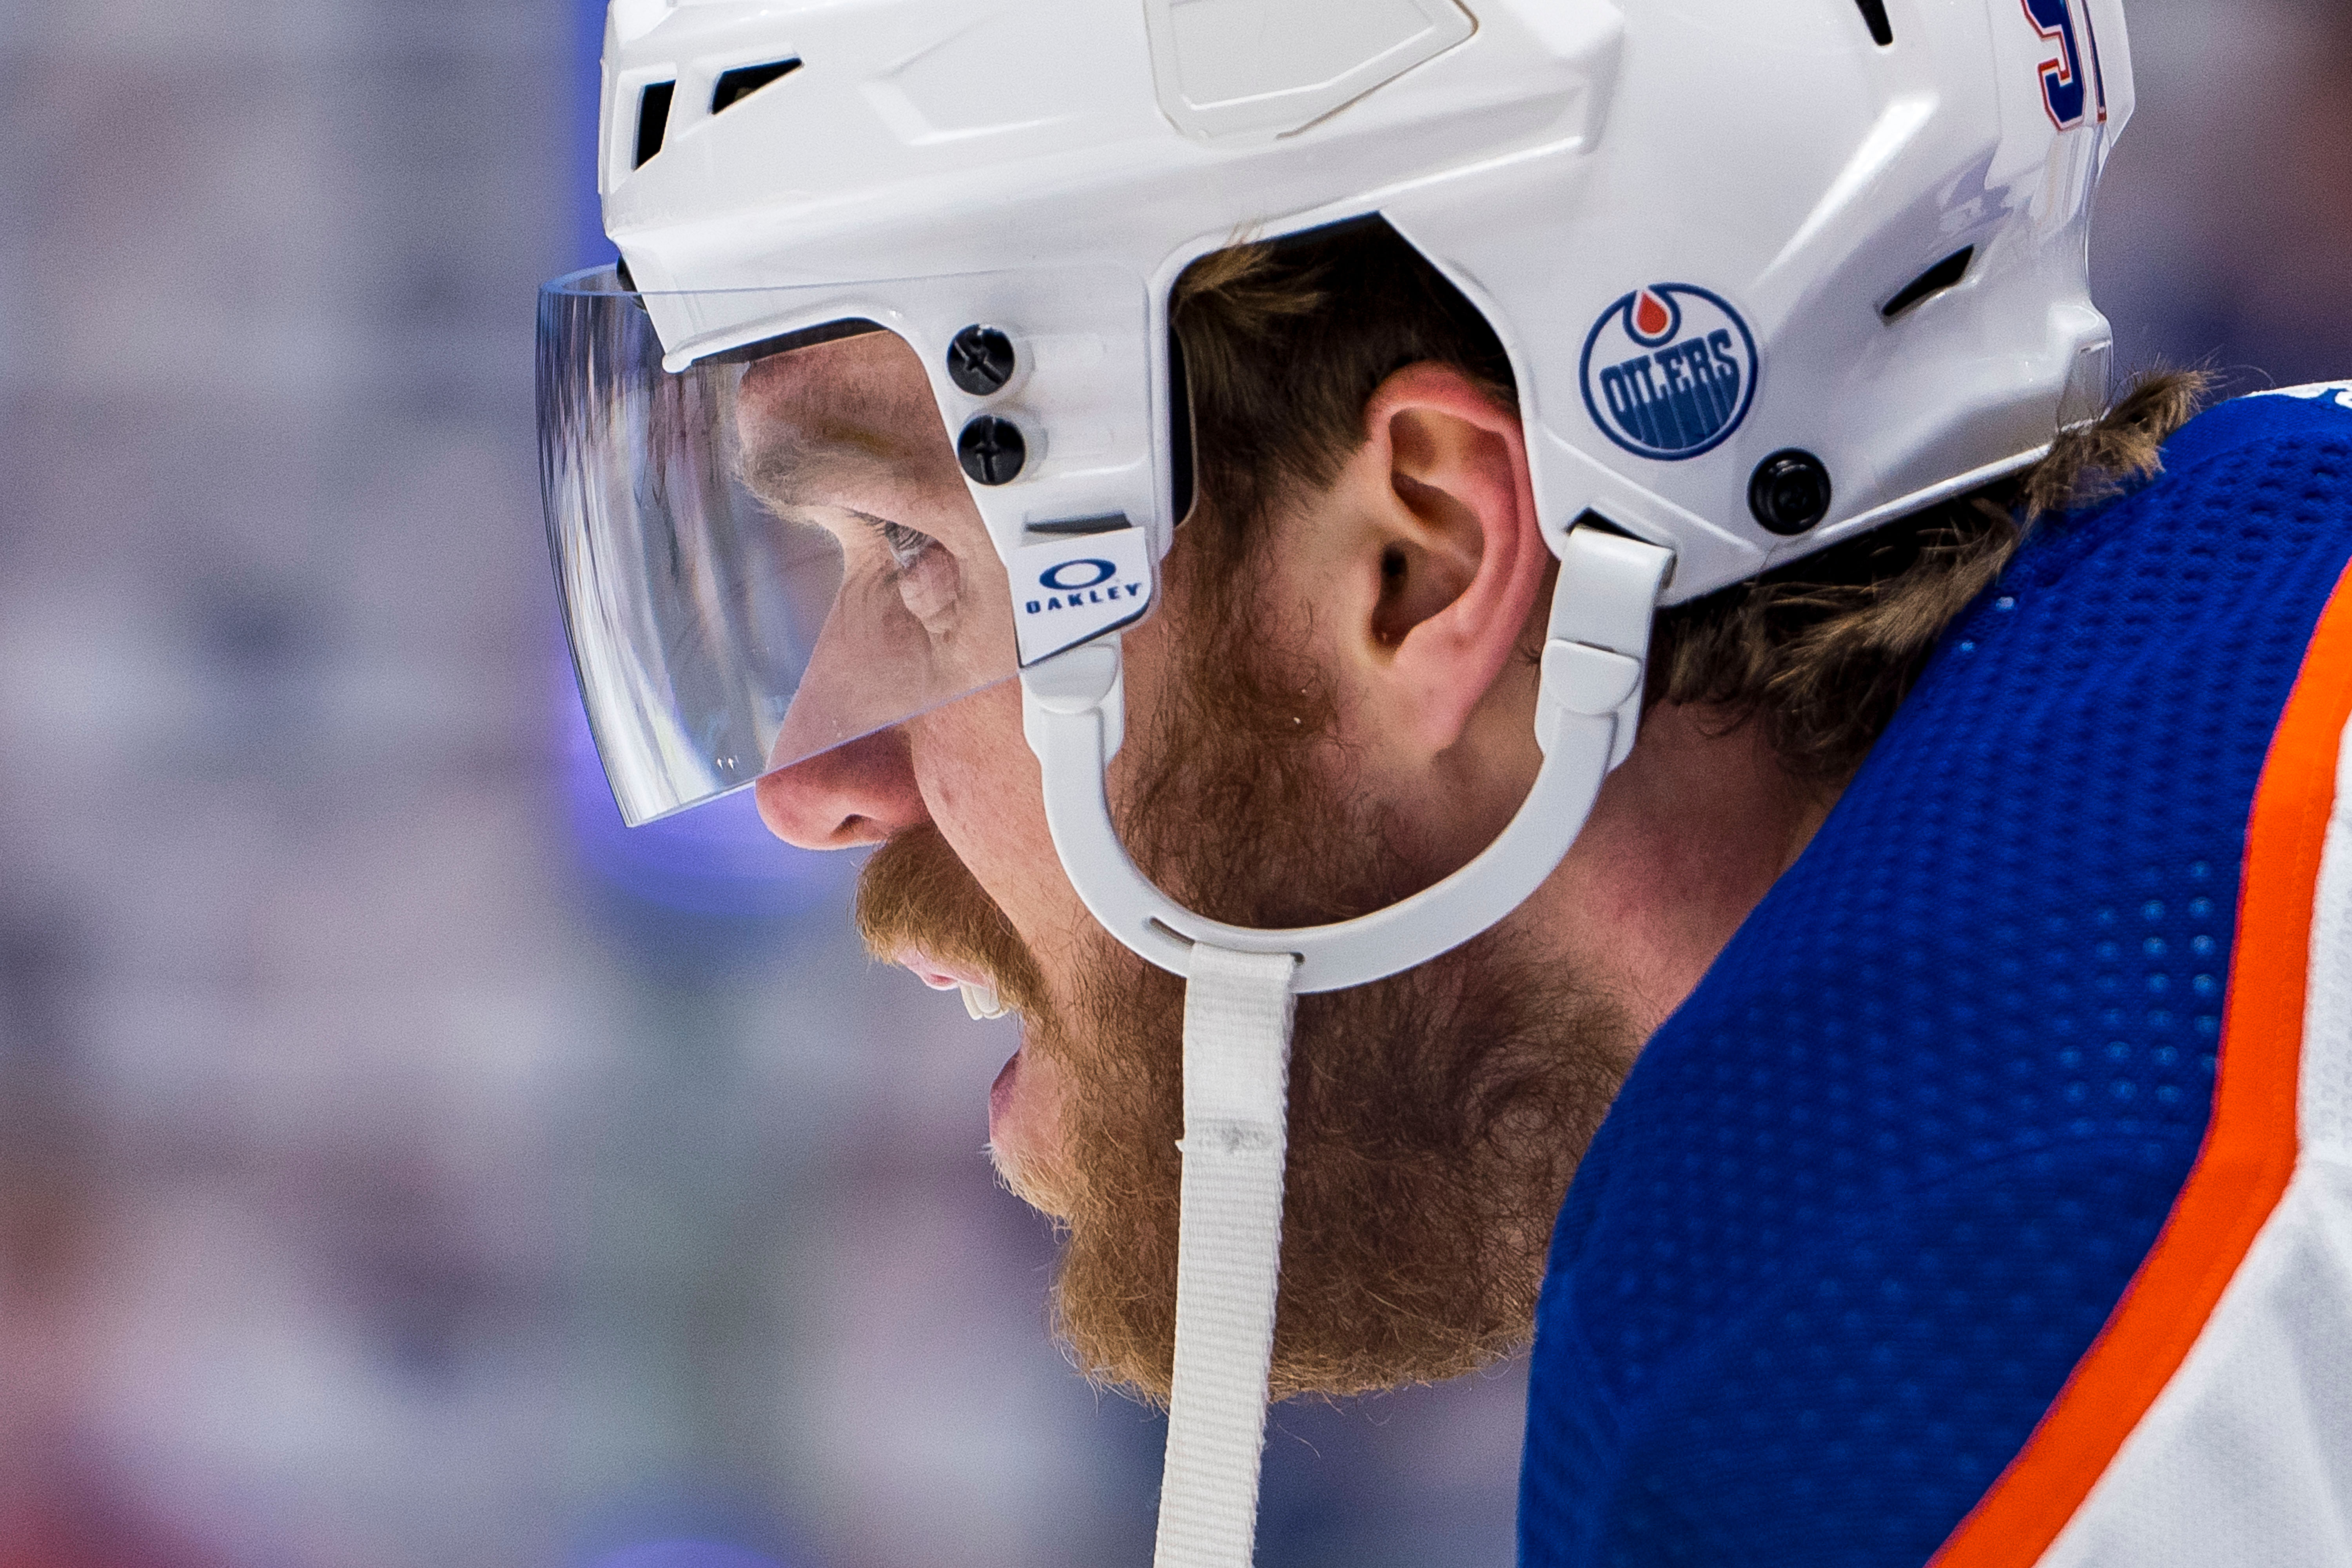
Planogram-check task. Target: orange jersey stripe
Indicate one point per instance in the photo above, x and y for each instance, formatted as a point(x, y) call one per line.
point(2250, 1145)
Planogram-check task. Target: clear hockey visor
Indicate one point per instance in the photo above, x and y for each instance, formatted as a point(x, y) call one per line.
point(764, 554)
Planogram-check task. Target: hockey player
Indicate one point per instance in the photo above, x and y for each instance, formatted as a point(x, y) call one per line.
point(1664, 623)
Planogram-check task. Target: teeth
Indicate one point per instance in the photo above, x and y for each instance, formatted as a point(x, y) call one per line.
point(981, 1001)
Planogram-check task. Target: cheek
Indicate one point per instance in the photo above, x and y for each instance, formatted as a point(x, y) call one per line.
point(980, 784)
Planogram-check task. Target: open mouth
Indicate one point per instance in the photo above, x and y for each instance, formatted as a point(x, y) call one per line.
point(979, 994)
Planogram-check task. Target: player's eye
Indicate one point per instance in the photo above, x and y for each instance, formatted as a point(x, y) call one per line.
point(924, 570)
point(907, 545)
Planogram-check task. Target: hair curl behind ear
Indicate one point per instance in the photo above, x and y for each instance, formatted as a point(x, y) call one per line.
point(2099, 461)
point(1822, 652)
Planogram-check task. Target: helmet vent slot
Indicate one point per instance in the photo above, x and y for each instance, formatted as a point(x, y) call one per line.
point(1881, 29)
point(744, 81)
point(1945, 274)
point(653, 119)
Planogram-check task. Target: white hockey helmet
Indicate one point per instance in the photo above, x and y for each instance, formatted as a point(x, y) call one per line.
point(1769, 272)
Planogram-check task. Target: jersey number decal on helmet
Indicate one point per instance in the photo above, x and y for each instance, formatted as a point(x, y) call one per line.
point(2066, 88)
point(1669, 371)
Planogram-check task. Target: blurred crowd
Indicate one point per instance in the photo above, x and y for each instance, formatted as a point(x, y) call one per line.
point(402, 1164)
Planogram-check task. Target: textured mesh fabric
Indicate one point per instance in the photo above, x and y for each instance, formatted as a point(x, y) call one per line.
point(1872, 1190)
point(2246, 1455)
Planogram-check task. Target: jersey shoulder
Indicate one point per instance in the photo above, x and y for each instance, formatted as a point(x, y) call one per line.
point(2326, 392)
point(2251, 505)
point(1870, 1196)
point(2287, 416)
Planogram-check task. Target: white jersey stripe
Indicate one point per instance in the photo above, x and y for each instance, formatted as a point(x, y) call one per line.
point(2246, 1457)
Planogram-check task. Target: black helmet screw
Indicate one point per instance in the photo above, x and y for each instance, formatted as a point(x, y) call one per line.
point(1790, 493)
point(992, 450)
point(981, 360)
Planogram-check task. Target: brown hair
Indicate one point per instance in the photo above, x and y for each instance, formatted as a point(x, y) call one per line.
point(1284, 344)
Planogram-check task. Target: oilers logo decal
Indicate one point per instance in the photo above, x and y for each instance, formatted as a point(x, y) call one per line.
point(1670, 371)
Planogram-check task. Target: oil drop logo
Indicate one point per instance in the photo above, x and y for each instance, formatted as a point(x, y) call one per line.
point(1670, 371)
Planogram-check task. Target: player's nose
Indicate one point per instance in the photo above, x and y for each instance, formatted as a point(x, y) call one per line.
point(858, 794)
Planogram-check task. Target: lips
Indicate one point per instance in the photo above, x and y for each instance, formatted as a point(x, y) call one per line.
point(999, 1099)
point(932, 972)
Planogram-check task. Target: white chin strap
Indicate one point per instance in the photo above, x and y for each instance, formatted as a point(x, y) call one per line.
point(1243, 985)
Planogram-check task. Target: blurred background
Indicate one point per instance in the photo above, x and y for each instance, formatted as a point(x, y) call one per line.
point(399, 1164)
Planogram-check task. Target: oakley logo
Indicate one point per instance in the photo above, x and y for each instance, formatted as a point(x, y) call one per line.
point(1075, 585)
point(1057, 579)
point(1076, 580)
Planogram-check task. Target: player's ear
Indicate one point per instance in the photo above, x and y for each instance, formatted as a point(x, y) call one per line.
point(1442, 563)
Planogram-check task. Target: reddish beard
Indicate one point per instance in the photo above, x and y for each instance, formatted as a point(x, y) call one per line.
point(1435, 1117)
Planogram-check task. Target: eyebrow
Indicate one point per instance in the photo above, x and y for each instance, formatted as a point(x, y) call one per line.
point(784, 468)
point(800, 512)
point(785, 471)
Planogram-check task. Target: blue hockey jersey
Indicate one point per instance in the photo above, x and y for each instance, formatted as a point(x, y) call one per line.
point(1991, 1199)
